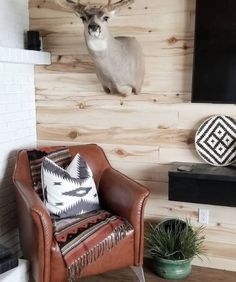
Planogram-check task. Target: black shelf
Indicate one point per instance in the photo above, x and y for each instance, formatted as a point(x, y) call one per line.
point(202, 183)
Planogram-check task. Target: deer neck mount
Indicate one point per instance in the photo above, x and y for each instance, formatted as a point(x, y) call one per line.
point(119, 61)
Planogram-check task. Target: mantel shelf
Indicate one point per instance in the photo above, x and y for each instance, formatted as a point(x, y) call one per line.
point(22, 56)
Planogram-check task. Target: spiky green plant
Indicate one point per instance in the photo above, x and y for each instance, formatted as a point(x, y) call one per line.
point(175, 242)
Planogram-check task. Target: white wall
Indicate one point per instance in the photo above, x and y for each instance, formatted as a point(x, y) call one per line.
point(17, 112)
point(14, 21)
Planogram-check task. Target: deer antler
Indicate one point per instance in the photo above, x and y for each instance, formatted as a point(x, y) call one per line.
point(118, 4)
point(77, 5)
point(81, 8)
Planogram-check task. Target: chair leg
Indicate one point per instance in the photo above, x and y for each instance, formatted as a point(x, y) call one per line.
point(138, 270)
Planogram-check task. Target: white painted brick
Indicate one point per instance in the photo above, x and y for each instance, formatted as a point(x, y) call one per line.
point(17, 105)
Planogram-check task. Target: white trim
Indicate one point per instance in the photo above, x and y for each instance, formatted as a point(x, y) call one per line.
point(21, 56)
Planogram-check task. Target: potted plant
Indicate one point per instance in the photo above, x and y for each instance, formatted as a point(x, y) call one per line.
point(173, 244)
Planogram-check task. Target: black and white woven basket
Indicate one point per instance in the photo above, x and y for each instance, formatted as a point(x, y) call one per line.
point(215, 140)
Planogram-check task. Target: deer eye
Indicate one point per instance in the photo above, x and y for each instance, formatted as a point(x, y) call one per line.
point(106, 19)
point(83, 18)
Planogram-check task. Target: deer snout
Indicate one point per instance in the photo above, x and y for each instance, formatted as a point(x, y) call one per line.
point(94, 27)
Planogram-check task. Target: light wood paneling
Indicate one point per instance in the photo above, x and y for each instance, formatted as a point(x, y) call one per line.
point(142, 134)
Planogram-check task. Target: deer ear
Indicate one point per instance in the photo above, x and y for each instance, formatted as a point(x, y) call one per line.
point(71, 4)
point(72, 1)
point(78, 13)
point(67, 3)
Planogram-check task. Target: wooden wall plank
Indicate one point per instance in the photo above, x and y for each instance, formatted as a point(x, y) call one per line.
point(106, 115)
point(39, 7)
point(224, 215)
point(87, 82)
point(114, 135)
point(159, 97)
point(84, 64)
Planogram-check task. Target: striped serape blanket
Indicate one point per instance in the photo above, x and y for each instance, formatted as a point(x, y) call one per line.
point(85, 238)
point(60, 155)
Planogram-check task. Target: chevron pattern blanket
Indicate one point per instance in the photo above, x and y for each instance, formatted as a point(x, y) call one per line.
point(90, 235)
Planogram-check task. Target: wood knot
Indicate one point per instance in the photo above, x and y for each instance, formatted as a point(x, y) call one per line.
point(185, 47)
point(190, 140)
point(73, 134)
point(121, 153)
point(81, 106)
point(162, 127)
point(172, 40)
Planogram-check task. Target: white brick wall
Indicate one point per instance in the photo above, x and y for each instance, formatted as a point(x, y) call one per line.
point(17, 112)
point(14, 21)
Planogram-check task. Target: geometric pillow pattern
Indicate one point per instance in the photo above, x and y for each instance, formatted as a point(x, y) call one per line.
point(215, 140)
point(71, 191)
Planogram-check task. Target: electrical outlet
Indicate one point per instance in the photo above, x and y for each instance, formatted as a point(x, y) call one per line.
point(203, 216)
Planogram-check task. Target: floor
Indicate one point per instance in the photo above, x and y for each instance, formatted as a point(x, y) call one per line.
point(198, 274)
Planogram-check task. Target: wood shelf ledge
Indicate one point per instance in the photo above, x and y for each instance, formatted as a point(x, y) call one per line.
point(22, 56)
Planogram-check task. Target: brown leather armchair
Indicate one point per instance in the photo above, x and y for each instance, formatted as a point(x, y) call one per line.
point(118, 194)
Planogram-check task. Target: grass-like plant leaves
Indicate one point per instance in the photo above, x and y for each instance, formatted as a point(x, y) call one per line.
point(176, 242)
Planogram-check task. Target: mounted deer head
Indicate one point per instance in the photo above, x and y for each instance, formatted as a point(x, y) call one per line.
point(119, 61)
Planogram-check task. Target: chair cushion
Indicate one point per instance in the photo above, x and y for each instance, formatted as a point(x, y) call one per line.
point(85, 238)
point(71, 191)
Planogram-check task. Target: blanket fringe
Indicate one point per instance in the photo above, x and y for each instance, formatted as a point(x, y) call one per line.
point(119, 233)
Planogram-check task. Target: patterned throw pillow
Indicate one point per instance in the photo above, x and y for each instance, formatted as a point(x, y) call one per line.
point(71, 191)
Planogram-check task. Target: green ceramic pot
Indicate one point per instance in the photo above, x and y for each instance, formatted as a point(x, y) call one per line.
point(172, 269)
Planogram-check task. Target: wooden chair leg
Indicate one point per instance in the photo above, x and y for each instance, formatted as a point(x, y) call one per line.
point(138, 270)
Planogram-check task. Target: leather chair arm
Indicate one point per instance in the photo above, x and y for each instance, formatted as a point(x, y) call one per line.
point(126, 198)
point(35, 205)
point(36, 230)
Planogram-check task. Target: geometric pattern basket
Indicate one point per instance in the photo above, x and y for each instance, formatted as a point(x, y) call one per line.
point(215, 140)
